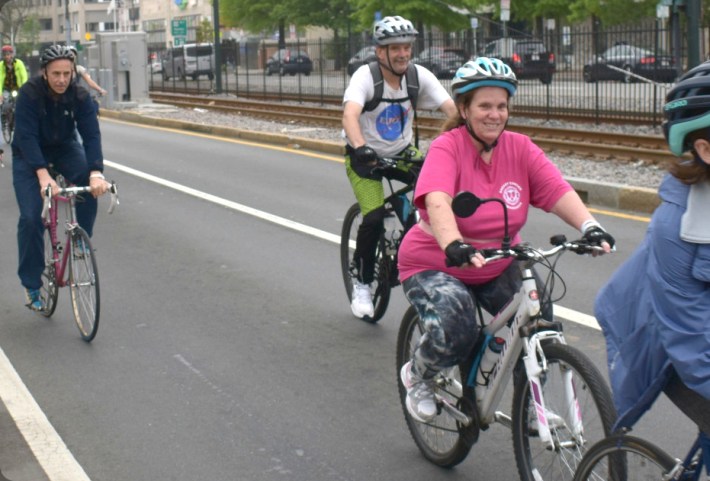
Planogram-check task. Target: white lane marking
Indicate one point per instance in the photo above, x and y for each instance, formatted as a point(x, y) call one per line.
point(52, 454)
point(563, 312)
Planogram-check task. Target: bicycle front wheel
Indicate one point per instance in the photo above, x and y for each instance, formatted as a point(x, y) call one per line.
point(8, 124)
point(381, 286)
point(624, 458)
point(84, 284)
point(568, 377)
point(443, 441)
point(50, 289)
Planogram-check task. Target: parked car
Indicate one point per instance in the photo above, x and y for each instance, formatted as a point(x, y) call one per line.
point(288, 61)
point(621, 60)
point(527, 57)
point(156, 66)
point(363, 56)
point(442, 61)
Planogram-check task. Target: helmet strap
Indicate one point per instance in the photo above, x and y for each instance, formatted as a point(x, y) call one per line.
point(388, 65)
point(486, 146)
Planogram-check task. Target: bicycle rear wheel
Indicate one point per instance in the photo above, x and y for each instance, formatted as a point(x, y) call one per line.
point(443, 441)
point(84, 284)
point(536, 462)
point(381, 286)
point(50, 289)
point(624, 458)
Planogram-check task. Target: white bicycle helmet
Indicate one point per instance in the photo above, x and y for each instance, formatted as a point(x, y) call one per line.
point(483, 72)
point(687, 108)
point(394, 29)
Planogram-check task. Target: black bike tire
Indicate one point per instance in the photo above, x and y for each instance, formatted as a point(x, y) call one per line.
point(532, 467)
point(381, 294)
point(50, 289)
point(11, 124)
point(598, 463)
point(462, 437)
point(87, 260)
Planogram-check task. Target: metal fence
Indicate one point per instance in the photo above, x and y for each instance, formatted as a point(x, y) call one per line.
point(636, 95)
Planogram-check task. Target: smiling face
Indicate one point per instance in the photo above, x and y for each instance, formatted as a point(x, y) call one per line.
point(59, 75)
point(487, 112)
point(396, 56)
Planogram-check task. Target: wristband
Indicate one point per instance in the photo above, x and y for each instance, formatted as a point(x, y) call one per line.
point(587, 224)
point(97, 176)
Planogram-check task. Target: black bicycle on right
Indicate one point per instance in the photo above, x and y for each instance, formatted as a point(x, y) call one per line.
point(623, 457)
point(400, 216)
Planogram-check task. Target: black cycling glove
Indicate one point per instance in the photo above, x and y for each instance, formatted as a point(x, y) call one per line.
point(595, 235)
point(365, 155)
point(458, 254)
point(363, 160)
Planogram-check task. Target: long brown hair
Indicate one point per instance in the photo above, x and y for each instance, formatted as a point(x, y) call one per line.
point(691, 171)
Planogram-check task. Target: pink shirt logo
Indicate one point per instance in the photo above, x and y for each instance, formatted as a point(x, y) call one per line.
point(510, 191)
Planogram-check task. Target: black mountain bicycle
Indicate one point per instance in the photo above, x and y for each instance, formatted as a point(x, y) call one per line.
point(400, 216)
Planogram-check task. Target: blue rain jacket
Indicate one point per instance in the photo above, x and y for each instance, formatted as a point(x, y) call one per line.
point(655, 311)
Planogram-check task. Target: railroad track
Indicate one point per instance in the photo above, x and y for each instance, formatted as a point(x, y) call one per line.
point(599, 145)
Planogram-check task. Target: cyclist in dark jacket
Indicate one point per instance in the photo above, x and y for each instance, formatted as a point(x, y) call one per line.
point(50, 110)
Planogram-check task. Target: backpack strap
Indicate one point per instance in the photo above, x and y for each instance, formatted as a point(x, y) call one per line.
point(379, 83)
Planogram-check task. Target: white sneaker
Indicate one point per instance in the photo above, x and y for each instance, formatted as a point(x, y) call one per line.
point(420, 400)
point(361, 304)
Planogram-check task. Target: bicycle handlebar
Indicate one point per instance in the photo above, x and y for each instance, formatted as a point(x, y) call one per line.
point(75, 190)
point(391, 162)
point(526, 252)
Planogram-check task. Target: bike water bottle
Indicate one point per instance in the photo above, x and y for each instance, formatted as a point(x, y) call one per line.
point(489, 359)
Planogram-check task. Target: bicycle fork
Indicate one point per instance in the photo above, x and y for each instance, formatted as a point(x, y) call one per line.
point(535, 368)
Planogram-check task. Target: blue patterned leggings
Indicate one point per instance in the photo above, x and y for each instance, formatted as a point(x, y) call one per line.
point(447, 308)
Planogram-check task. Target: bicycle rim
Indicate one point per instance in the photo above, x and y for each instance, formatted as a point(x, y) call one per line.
point(84, 285)
point(624, 458)
point(380, 285)
point(443, 441)
point(7, 128)
point(50, 289)
point(536, 462)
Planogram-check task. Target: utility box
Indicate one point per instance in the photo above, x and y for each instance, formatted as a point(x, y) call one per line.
point(125, 55)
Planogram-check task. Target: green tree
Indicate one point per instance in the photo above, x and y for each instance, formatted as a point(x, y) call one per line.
point(204, 32)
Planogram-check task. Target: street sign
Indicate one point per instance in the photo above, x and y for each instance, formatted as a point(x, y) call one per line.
point(178, 41)
point(178, 28)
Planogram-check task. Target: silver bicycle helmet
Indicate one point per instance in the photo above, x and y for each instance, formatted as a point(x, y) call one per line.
point(55, 52)
point(483, 72)
point(687, 108)
point(394, 29)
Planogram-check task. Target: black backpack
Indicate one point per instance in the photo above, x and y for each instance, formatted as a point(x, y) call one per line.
point(412, 79)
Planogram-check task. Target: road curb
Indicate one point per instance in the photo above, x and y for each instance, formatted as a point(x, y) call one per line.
point(616, 196)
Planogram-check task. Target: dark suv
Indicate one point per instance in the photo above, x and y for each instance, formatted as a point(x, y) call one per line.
point(528, 58)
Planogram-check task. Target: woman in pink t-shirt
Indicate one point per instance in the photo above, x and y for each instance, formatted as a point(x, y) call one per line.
point(474, 153)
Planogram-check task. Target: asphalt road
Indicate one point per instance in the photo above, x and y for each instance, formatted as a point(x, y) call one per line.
point(226, 349)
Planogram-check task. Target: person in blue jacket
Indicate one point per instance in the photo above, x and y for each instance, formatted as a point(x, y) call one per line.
point(50, 109)
point(655, 310)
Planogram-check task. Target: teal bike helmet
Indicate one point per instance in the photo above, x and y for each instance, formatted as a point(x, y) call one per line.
point(483, 72)
point(687, 108)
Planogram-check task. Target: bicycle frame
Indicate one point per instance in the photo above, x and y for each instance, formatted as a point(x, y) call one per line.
point(524, 309)
point(60, 255)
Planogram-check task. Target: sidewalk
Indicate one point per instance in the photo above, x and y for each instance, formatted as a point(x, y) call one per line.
point(615, 196)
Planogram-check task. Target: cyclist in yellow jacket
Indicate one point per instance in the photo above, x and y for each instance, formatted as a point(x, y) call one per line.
point(13, 73)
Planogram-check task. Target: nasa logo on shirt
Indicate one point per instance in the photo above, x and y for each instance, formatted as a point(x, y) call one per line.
point(511, 193)
point(390, 122)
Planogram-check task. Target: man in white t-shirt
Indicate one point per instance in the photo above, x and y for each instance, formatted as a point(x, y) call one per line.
point(384, 131)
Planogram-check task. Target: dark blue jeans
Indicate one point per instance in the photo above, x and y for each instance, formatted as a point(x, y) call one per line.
point(69, 159)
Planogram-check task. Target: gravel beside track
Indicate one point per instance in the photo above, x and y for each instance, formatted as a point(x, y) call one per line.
point(636, 174)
